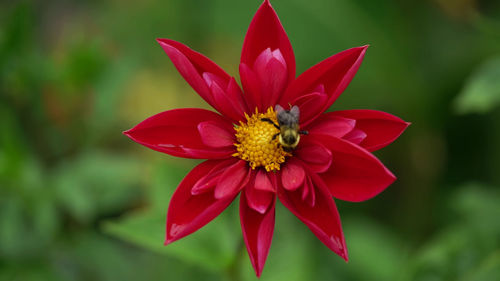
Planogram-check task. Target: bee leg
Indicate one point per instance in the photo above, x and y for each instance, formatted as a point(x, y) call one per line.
point(304, 132)
point(275, 135)
point(270, 121)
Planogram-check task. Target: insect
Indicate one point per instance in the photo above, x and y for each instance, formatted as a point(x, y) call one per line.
point(288, 124)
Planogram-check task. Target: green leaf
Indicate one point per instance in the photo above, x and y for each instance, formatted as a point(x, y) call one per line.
point(166, 177)
point(46, 219)
point(481, 92)
point(457, 251)
point(28, 215)
point(98, 183)
point(478, 205)
point(445, 257)
point(213, 247)
point(12, 147)
point(11, 224)
point(33, 271)
point(488, 270)
point(109, 91)
point(90, 255)
point(373, 248)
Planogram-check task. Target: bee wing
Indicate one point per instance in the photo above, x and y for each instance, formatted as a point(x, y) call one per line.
point(278, 108)
point(295, 112)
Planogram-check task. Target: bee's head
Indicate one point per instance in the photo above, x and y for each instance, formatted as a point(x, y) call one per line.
point(287, 117)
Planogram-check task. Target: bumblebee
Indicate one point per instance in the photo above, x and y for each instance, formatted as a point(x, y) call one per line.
point(288, 124)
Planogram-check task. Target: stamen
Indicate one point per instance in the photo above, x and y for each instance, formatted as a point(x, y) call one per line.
point(256, 144)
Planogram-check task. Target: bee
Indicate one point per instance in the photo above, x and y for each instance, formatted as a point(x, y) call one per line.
point(288, 126)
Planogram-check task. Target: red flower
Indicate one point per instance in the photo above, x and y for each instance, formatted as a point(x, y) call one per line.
point(248, 155)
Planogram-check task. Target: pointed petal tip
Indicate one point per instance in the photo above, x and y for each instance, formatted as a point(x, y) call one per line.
point(162, 40)
point(258, 269)
point(343, 254)
point(128, 133)
point(362, 49)
point(168, 241)
point(346, 255)
point(164, 43)
point(392, 177)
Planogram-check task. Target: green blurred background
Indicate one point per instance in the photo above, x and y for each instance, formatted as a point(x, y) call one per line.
point(80, 201)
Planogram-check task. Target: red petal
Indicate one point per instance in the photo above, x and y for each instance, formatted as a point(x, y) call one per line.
point(188, 213)
point(251, 86)
point(308, 193)
point(175, 132)
point(310, 104)
point(211, 79)
point(265, 31)
point(322, 219)
point(235, 95)
point(199, 71)
point(191, 65)
point(311, 198)
point(334, 73)
point(274, 82)
point(270, 69)
point(331, 125)
point(262, 181)
point(355, 136)
point(381, 128)
point(292, 175)
point(230, 101)
point(355, 174)
point(257, 232)
point(214, 135)
point(257, 199)
point(209, 181)
point(314, 154)
point(261, 61)
point(232, 180)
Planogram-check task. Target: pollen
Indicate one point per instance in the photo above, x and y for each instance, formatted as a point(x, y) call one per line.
point(258, 143)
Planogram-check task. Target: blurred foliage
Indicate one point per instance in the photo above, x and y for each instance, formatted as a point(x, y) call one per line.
point(482, 91)
point(467, 248)
point(79, 201)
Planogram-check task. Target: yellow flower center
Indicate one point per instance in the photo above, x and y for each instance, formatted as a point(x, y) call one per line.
point(256, 144)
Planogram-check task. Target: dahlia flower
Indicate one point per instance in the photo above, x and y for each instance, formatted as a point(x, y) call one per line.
point(246, 148)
